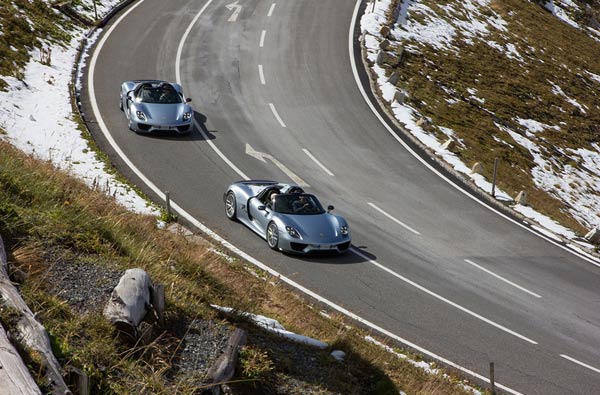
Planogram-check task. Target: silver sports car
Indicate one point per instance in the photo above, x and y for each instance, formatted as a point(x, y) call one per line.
point(151, 105)
point(286, 217)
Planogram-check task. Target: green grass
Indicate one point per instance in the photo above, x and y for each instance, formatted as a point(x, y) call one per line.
point(511, 90)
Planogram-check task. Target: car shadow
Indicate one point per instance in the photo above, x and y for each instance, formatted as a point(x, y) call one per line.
point(345, 258)
point(199, 131)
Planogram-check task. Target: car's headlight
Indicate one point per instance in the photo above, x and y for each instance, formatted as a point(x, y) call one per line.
point(187, 116)
point(292, 232)
point(141, 115)
point(344, 230)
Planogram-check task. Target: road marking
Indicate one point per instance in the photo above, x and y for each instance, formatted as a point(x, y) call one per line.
point(311, 156)
point(262, 38)
point(394, 219)
point(277, 115)
point(237, 9)
point(585, 365)
point(502, 278)
point(448, 301)
point(262, 156)
point(371, 106)
point(226, 244)
point(271, 9)
point(261, 74)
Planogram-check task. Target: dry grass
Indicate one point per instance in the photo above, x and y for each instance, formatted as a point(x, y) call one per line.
point(552, 51)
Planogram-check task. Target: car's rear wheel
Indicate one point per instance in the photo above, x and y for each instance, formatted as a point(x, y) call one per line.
point(273, 236)
point(230, 206)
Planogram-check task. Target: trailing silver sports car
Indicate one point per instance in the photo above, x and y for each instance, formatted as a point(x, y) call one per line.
point(151, 105)
point(286, 217)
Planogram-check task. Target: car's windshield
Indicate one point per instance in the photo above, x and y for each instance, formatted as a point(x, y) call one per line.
point(297, 204)
point(164, 94)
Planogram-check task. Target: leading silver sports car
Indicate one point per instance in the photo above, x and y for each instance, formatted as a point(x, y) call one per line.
point(152, 105)
point(286, 217)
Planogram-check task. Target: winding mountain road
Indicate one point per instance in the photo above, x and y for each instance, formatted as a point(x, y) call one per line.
point(432, 266)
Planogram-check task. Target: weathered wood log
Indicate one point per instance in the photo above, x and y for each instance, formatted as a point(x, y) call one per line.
point(223, 369)
point(30, 333)
point(14, 376)
point(129, 302)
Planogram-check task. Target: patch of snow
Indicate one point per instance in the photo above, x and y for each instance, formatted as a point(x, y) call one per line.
point(548, 223)
point(273, 326)
point(559, 92)
point(338, 355)
point(37, 117)
point(534, 126)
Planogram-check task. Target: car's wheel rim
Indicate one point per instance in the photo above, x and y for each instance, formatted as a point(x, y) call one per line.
point(272, 235)
point(230, 205)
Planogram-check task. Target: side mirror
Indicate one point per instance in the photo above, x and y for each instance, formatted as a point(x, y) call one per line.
point(261, 208)
point(188, 99)
point(330, 208)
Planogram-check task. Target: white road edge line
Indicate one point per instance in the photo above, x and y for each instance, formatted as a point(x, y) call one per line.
point(413, 153)
point(585, 365)
point(439, 297)
point(393, 219)
point(274, 110)
point(502, 278)
point(262, 38)
point(311, 156)
point(271, 9)
point(261, 74)
point(224, 242)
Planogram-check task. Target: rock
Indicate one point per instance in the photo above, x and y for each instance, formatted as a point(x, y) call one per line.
point(593, 236)
point(384, 31)
point(399, 96)
point(521, 198)
point(394, 77)
point(449, 145)
point(477, 168)
point(338, 355)
point(422, 122)
point(388, 58)
point(385, 44)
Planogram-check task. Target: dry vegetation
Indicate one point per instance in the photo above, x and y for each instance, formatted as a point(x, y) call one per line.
point(45, 216)
point(552, 52)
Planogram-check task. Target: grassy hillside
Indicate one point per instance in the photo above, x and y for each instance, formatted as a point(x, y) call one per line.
point(67, 246)
point(524, 88)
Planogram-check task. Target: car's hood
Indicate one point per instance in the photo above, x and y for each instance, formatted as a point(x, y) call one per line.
point(315, 229)
point(164, 112)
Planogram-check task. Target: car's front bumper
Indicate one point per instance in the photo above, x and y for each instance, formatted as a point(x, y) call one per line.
point(145, 127)
point(299, 246)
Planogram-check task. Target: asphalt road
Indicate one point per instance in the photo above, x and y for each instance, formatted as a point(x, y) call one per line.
point(435, 267)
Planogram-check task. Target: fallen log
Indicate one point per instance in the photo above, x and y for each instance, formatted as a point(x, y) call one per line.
point(129, 302)
point(223, 369)
point(14, 376)
point(29, 332)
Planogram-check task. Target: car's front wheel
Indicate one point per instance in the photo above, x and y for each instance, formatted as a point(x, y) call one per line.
point(273, 236)
point(230, 206)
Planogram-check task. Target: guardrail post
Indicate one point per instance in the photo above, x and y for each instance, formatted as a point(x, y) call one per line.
point(168, 201)
point(494, 180)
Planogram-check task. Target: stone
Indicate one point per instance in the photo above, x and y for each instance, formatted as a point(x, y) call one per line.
point(384, 31)
point(521, 198)
point(399, 96)
point(385, 44)
point(338, 355)
point(449, 145)
point(394, 77)
point(477, 168)
point(422, 122)
point(593, 236)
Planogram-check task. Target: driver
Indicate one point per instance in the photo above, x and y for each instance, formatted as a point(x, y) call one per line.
point(302, 204)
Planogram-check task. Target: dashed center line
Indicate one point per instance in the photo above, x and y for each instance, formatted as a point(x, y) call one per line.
point(585, 365)
point(394, 219)
point(261, 74)
point(311, 156)
point(271, 9)
point(439, 297)
point(262, 38)
point(502, 278)
point(274, 110)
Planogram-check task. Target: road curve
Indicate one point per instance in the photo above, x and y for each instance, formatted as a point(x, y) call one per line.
point(434, 266)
